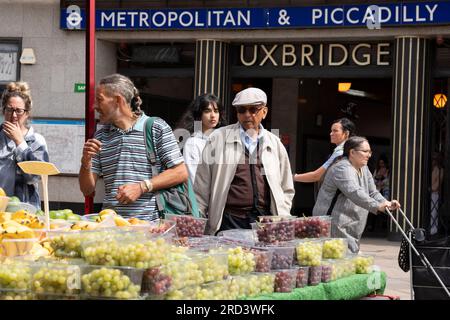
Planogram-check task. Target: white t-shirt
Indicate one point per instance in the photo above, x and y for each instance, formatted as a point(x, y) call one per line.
point(192, 152)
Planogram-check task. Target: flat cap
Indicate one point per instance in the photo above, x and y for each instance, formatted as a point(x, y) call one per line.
point(250, 96)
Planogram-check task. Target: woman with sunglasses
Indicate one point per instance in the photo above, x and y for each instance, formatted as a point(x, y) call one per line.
point(19, 142)
point(341, 130)
point(348, 193)
point(204, 115)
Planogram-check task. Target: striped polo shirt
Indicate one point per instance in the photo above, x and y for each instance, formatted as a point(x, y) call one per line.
point(123, 159)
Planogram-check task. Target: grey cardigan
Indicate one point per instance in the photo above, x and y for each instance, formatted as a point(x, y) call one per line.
point(358, 196)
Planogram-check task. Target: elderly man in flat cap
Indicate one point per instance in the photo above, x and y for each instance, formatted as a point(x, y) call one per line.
point(245, 170)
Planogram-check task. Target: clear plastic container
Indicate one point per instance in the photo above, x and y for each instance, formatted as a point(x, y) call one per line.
point(11, 294)
point(16, 247)
point(138, 252)
point(101, 282)
point(15, 275)
point(264, 219)
point(240, 261)
point(188, 293)
point(330, 270)
point(274, 232)
point(252, 284)
point(4, 203)
point(363, 263)
point(16, 206)
point(282, 257)
point(313, 227)
point(315, 275)
point(67, 244)
point(302, 277)
point(242, 236)
point(213, 266)
point(263, 259)
point(334, 248)
point(172, 276)
point(218, 290)
point(90, 217)
point(203, 243)
point(55, 281)
point(309, 252)
point(188, 226)
point(285, 280)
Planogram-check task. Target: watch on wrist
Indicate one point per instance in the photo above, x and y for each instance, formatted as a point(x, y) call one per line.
point(149, 185)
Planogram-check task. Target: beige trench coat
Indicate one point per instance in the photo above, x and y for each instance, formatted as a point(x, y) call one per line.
point(221, 155)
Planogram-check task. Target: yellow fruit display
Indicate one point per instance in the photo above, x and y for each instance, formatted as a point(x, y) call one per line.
point(136, 221)
point(121, 222)
point(84, 225)
point(106, 212)
point(3, 193)
point(5, 216)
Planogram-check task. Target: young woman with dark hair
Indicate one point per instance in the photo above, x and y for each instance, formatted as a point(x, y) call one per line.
point(204, 115)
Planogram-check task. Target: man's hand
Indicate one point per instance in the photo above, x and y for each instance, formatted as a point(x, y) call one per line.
point(129, 193)
point(91, 148)
point(13, 132)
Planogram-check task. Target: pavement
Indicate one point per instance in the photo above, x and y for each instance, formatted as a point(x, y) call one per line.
point(385, 253)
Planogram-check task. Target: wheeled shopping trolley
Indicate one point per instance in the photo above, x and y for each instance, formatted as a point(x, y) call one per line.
point(429, 261)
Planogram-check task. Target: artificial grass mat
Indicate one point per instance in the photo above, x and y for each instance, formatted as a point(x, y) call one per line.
point(349, 288)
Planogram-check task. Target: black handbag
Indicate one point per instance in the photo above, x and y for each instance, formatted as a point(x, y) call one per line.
point(416, 235)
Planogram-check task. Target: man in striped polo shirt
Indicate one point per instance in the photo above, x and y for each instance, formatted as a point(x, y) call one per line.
point(118, 153)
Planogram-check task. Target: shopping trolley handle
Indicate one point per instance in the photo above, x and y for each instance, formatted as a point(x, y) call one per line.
point(418, 234)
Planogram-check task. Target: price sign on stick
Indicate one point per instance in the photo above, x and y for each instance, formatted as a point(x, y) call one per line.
point(44, 169)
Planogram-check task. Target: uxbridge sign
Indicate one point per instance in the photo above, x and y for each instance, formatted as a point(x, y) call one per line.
point(315, 54)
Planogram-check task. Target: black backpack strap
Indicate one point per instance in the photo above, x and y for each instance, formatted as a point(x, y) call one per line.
point(333, 202)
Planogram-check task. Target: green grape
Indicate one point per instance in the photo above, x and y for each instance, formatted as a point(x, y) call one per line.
point(15, 276)
point(109, 283)
point(309, 253)
point(334, 249)
point(56, 280)
point(363, 264)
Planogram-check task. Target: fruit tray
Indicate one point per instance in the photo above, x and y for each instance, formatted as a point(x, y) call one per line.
point(309, 252)
point(239, 236)
point(55, 281)
point(285, 280)
point(68, 243)
point(334, 248)
point(313, 227)
point(100, 282)
point(188, 226)
point(274, 232)
point(315, 275)
point(302, 277)
point(252, 284)
point(172, 276)
point(16, 247)
point(240, 259)
point(282, 256)
point(363, 263)
point(136, 252)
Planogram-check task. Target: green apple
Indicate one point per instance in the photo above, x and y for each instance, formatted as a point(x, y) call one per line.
point(40, 213)
point(57, 214)
point(14, 199)
point(73, 217)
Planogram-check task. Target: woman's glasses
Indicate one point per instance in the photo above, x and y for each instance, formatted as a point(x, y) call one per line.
point(18, 111)
point(253, 110)
point(369, 152)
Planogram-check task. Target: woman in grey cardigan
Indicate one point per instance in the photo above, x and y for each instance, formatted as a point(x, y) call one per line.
point(348, 193)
